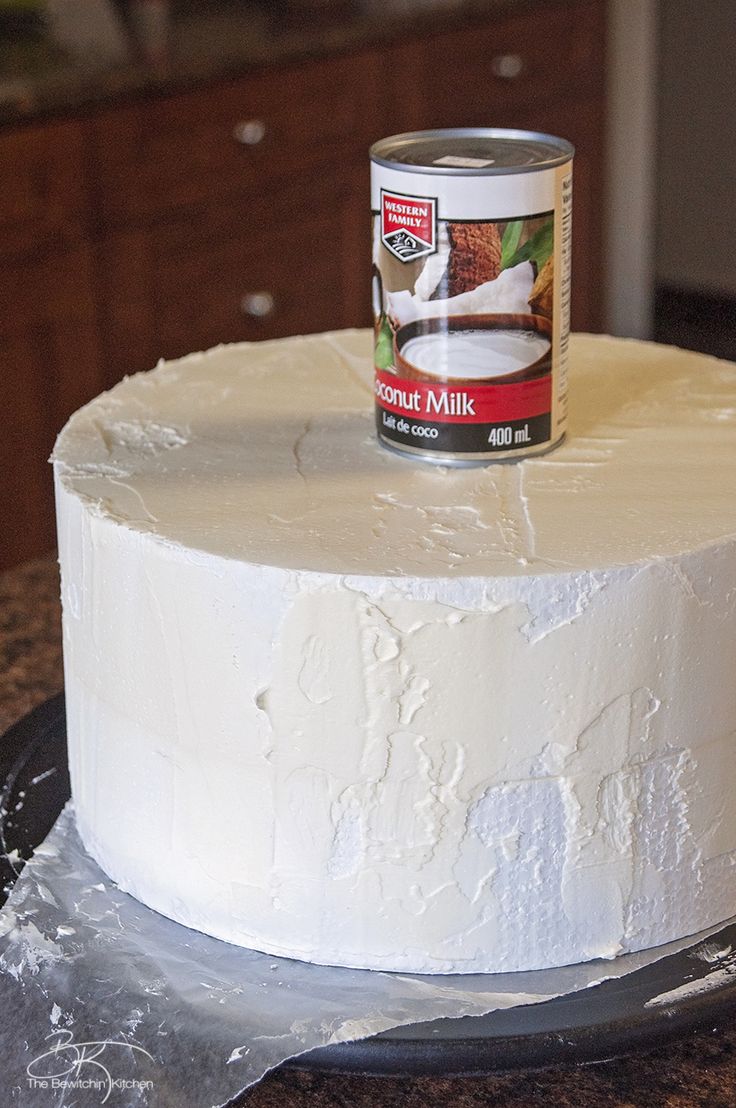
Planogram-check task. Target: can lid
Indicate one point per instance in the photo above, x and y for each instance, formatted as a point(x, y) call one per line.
point(475, 151)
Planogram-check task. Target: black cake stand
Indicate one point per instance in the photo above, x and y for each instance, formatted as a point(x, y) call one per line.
point(597, 1023)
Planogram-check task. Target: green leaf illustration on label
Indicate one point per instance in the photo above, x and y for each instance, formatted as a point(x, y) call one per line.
point(384, 345)
point(510, 242)
point(536, 249)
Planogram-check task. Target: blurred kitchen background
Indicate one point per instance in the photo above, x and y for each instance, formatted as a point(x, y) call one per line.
point(176, 173)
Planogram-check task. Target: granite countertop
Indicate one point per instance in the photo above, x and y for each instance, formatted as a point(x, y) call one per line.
point(45, 71)
point(696, 1072)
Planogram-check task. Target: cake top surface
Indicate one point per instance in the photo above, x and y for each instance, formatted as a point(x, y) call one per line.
point(266, 452)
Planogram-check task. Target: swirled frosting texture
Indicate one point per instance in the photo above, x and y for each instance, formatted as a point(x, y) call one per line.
point(332, 704)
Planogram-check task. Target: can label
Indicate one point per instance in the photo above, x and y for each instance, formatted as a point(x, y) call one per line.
point(471, 310)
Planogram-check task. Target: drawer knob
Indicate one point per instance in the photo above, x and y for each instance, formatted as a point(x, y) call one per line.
point(507, 66)
point(249, 132)
point(257, 305)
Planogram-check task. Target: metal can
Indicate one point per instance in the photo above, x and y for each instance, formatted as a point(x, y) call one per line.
point(471, 292)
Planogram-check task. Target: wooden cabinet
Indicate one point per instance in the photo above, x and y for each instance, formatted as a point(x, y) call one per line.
point(50, 366)
point(235, 212)
point(49, 356)
point(534, 59)
point(240, 210)
point(43, 193)
point(207, 147)
point(259, 267)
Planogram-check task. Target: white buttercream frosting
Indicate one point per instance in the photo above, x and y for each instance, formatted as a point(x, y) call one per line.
point(333, 704)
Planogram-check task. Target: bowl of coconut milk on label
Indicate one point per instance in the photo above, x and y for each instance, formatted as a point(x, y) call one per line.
point(481, 349)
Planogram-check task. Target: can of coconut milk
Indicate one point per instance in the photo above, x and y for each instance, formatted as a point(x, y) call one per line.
point(471, 292)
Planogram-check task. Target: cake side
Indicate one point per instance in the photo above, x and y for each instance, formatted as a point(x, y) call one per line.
point(433, 773)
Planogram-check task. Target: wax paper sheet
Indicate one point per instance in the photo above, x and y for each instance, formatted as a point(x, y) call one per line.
point(104, 1001)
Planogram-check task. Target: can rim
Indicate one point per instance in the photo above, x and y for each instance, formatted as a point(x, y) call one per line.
point(379, 151)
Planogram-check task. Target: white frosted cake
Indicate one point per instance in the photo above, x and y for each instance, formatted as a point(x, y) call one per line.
point(333, 704)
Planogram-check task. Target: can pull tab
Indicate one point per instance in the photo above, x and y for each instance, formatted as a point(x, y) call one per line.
point(507, 66)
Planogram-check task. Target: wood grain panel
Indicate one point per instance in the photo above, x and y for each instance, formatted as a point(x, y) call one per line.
point(51, 366)
point(534, 59)
point(180, 286)
point(180, 151)
point(42, 188)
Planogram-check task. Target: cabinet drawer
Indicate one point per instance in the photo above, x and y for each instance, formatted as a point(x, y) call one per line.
point(186, 150)
point(42, 187)
point(479, 77)
point(293, 262)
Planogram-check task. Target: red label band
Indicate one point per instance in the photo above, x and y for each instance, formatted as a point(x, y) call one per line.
point(408, 225)
point(448, 403)
point(408, 213)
